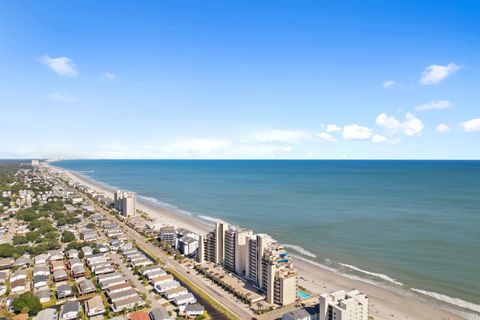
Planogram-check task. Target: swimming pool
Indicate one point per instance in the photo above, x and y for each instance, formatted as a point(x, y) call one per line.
point(302, 294)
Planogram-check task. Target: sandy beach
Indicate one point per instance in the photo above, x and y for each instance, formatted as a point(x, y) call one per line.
point(384, 303)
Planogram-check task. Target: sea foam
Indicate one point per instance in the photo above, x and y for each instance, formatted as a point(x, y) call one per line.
point(378, 275)
point(300, 250)
point(455, 301)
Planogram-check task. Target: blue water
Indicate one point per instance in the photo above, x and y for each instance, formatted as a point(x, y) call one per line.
point(302, 295)
point(414, 223)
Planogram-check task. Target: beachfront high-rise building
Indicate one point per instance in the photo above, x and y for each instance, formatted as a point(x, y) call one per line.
point(342, 305)
point(220, 229)
point(236, 249)
point(168, 235)
point(256, 257)
point(35, 163)
point(207, 248)
point(125, 202)
point(256, 248)
point(117, 200)
point(278, 276)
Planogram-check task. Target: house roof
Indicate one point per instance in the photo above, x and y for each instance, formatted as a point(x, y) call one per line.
point(139, 315)
point(64, 287)
point(71, 306)
point(46, 314)
point(95, 303)
point(59, 274)
point(194, 308)
point(86, 285)
point(159, 313)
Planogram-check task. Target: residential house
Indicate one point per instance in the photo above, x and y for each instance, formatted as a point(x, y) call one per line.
point(57, 265)
point(40, 281)
point(117, 296)
point(139, 315)
point(70, 310)
point(159, 313)
point(19, 274)
point(73, 262)
point(162, 287)
point(94, 306)
point(87, 251)
point(118, 288)
point(184, 299)
point(43, 295)
point(18, 286)
point(47, 314)
point(64, 291)
point(127, 304)
point(78, 271)
point(22, 262)
point(72, 253)
point(175, 292)
point(85, 286)
point(40, 259)
point(193, 310)
point(40, 271)
point(6, 263)
point(60, 275)
point(55, 255)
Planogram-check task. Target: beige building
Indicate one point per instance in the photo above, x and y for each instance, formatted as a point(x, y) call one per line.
point(342, 305)
point(256, 257)
point(236, 249)
point(278, 276)
point(125, 202)
point(257, 244)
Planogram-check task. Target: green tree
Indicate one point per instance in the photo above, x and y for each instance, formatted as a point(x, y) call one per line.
point(68, 237)
point(27, 301)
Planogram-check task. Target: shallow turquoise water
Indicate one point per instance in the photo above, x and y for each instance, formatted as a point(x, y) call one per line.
point(410, 222)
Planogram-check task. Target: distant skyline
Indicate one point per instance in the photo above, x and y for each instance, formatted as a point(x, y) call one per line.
point(240, 80)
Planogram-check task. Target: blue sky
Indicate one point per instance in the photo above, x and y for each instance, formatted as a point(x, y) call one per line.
point(240, 79)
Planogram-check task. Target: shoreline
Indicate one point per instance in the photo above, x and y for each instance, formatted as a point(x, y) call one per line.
point(384, 302)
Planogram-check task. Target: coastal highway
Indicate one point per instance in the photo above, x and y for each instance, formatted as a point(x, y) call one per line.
point(236, 308)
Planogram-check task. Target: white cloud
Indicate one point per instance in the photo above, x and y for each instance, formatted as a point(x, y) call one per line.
point(443, 128)
point(63, 66)
point(388, 84)
point(201, 145)
point(378, 138)
point(434, 105)
point(284, 136)
point(412, 126)
point(435, 73)
point(59, 97)
point(333, 128)
point(109, 76)
point(356, 132)
point(326, 136)
point(472, 125)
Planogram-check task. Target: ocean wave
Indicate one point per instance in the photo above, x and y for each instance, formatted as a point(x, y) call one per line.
point(455, 301)
point(158, 202)
point(300, 250)
point(378, 275)
point(211, 219)
point(335, 270)
point(86, 171)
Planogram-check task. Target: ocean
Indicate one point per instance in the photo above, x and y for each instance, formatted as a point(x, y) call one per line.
point(413, 225)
